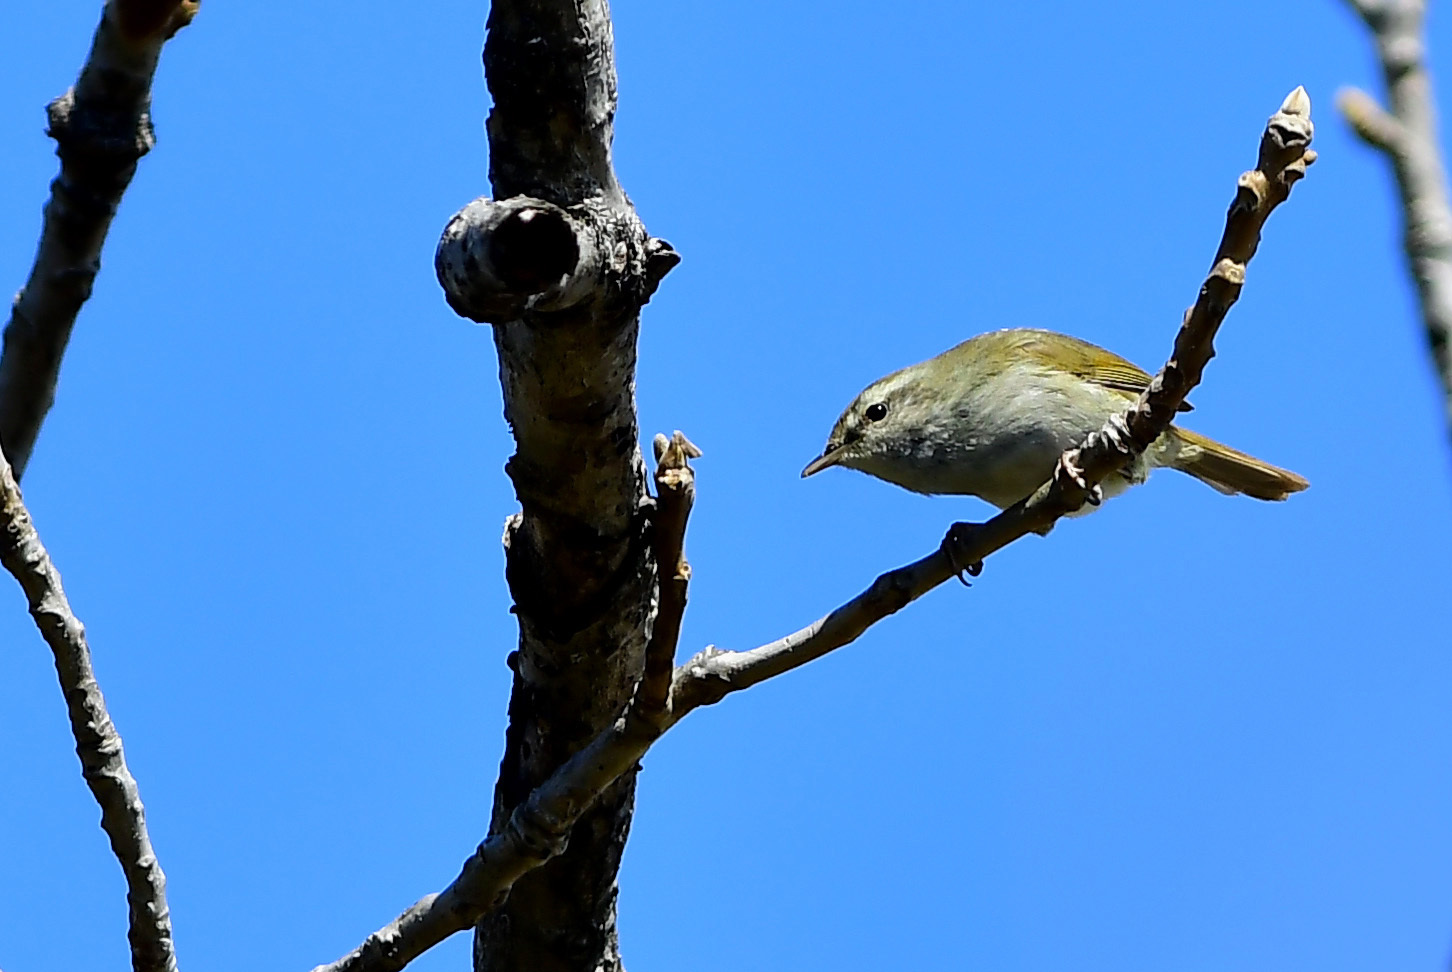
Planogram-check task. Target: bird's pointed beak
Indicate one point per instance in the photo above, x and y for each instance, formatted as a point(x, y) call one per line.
point(830, 457)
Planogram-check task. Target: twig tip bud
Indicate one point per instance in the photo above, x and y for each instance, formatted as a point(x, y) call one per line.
point(1297, 103)
point(673, 452)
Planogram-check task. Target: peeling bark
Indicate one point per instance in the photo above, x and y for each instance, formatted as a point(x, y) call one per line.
point(560, 264)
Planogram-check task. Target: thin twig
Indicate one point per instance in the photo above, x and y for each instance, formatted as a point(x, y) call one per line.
point(98, 744)
point(1284, 155)
point(102, 128)
point(539, 826)
point(1369, 120)
point(1406, 133)
point(675, 487)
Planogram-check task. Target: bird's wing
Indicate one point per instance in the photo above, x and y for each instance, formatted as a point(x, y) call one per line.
point(1090, 362)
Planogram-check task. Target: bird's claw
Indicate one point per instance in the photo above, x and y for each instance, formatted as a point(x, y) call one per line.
point(960, 534)
point(972, 570)
point(1069, 464)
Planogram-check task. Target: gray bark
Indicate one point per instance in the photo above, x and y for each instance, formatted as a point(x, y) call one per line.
point(560, 264)
point(102, 127)
point(538, 827)
point(98, 744)
point(1406, 132)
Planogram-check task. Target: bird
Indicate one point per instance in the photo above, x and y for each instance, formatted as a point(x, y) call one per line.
point(991, 416)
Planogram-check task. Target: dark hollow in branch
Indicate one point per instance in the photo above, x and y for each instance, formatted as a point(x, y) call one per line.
point(534, 248)
point(538, 826)
point(102, 127)
point(498, 260)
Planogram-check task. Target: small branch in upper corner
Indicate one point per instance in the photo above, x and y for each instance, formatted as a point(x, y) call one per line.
point(102, 128)
point(1405, 132)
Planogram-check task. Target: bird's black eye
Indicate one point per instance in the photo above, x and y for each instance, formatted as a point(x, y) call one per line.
point(876, 412)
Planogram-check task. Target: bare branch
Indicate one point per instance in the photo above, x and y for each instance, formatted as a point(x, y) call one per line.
point(712, 674)
point(560, 264)
point(675, 488)
point(146, 21)
point(1369, 120)
point(1284, 155)
point(98, 744)
point(539, 826)
point(102, 127)
point(1406, 133)
point(537, 831)
point(1370, 9)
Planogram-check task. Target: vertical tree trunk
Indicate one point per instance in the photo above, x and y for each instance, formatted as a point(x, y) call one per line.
point(561, 274)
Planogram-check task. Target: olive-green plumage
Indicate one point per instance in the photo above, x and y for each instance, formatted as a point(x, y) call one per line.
point(991, 416)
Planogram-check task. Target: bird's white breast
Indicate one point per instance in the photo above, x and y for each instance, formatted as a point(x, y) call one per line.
point(1000, 439)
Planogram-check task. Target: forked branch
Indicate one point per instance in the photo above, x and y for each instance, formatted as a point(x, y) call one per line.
point(1284, 155)
point(538, 828)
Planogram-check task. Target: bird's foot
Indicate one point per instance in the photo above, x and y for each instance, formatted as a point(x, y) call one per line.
point(1069, 468)
point(957, 546)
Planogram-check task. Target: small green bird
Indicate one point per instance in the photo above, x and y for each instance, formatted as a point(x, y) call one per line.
point(990, 417)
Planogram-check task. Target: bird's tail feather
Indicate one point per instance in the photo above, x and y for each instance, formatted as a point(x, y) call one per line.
point(1231, 471)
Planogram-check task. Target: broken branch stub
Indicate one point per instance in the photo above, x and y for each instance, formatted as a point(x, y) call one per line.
point(500, 259)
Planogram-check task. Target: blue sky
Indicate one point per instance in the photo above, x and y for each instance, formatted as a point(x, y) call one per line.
point(1188, 732)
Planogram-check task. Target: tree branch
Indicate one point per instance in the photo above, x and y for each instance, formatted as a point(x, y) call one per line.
point(102, 128)
point(98, 744)
point(560, 264)
point(1284, 155)
point(675, 490)
point(1369, 120)
point(538, 827)
point(1406, 133)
